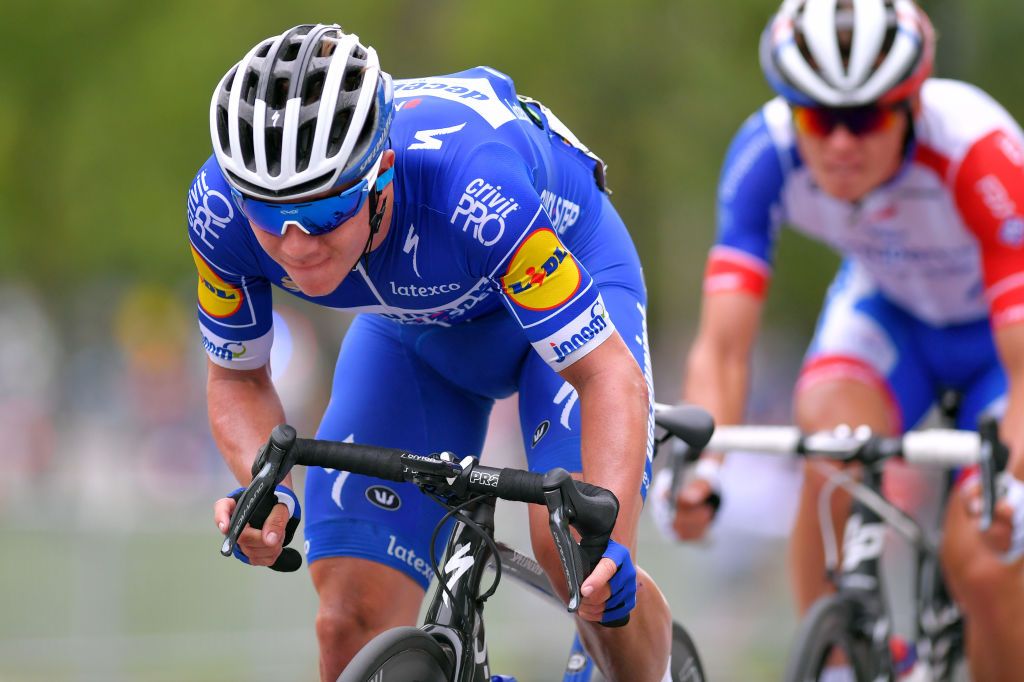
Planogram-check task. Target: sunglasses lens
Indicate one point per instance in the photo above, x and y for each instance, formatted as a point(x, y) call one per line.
point(813, 121)
point(821, 121)
point(313, 217)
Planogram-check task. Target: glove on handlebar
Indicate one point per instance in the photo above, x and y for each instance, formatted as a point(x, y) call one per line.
point(290, 559)
point(664, 509)
point(622, 584)
point(1014, 496)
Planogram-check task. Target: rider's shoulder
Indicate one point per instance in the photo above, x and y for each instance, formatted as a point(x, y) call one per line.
point(214, 221)
point(480, 100)
point(955, 115)
point(762, 150)
point(771, 124)
point(494, 79)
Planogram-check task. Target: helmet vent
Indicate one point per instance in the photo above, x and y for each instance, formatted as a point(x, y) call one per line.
point(279, 93)
point(222, 129)
point(264, 49)
point(326, 47)
point(353, 79)
point(291, 52)
point(338, 127)
point(273, 139)
point(248, 95)
point(304, 145)
point(313, 88)
point(245, 141)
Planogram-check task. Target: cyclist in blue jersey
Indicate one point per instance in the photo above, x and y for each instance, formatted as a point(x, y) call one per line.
point(472, 232)
point(918, 183)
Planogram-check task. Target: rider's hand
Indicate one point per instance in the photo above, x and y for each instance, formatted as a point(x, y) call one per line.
point(694, 510)
point(609, 592)
point(1006, 534)
point(261, 546)
point(689, 516)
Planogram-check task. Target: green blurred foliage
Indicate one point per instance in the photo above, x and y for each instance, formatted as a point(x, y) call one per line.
point(104, 118)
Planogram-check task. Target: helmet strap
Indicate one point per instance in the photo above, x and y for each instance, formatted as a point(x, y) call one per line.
point(376, 217)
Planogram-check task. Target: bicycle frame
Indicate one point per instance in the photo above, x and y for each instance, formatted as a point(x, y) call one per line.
point(466, 557)
point(448, 617)
point(936, 618)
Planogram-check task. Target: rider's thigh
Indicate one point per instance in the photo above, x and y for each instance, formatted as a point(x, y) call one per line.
point(358, 600)
point(864, 364)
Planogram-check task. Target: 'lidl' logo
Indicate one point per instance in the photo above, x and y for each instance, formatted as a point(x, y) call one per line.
point(217, 298)
point(543, 274)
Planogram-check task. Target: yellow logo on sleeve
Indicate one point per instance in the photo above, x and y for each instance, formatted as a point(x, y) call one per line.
point(542, 273)
point(217, 298)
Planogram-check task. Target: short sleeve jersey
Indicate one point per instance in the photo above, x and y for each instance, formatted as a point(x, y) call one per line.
point(943, 239)
point(490, 199)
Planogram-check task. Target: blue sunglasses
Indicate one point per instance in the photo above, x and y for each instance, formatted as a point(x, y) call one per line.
point(312, 217)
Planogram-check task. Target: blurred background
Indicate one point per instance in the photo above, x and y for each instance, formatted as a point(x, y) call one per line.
point(109, 567)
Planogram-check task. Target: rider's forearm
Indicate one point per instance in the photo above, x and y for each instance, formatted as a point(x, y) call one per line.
point(718, 367)
point(717, 380)
point(243, 407)
point(1010, 344)
point(1012, 428)
point(614, 412)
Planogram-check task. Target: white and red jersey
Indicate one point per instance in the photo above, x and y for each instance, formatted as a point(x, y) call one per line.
point(943, 239)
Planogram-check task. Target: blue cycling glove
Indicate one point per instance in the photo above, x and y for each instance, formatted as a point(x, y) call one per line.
point(290, 559)
point(622, 584)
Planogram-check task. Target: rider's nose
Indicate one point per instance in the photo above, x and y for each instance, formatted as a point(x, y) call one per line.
point(841, 138)
point(296, 243)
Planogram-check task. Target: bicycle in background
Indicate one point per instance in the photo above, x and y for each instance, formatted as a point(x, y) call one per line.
point(856, 620)
point(451, 646)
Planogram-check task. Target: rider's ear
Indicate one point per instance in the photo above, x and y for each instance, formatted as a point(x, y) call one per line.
point(388, 160)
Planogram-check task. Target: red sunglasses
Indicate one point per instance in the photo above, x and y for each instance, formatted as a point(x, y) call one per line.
point(821, 121)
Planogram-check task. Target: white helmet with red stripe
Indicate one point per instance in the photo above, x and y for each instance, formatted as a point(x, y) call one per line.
point(847, 53)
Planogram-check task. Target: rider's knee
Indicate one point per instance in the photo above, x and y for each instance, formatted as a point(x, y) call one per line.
point(979, 579)
point(822, 404)
point(348, 620)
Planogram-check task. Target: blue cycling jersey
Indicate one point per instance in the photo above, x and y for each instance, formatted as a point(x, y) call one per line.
point(495, 205)
point(499, 219)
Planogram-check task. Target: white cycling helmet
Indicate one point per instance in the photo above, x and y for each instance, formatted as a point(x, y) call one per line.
point(301, 113)
point(847, 53)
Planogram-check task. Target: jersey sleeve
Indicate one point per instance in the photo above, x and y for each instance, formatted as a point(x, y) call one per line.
point(748, 192)
point(989, 191)
point(509, 239)
point(233, 301)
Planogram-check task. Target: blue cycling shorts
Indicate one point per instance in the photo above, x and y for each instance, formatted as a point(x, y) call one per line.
point(861, 335)
point(427, 389)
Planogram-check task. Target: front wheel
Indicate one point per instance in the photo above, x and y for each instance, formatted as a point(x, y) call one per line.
point(829, 633)
point(403, 653)
point(686, 665)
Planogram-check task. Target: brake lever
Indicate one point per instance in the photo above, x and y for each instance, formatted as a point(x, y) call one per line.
point(682, 456)
point(269, 468)
point(992, 459)
point(560, 516)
